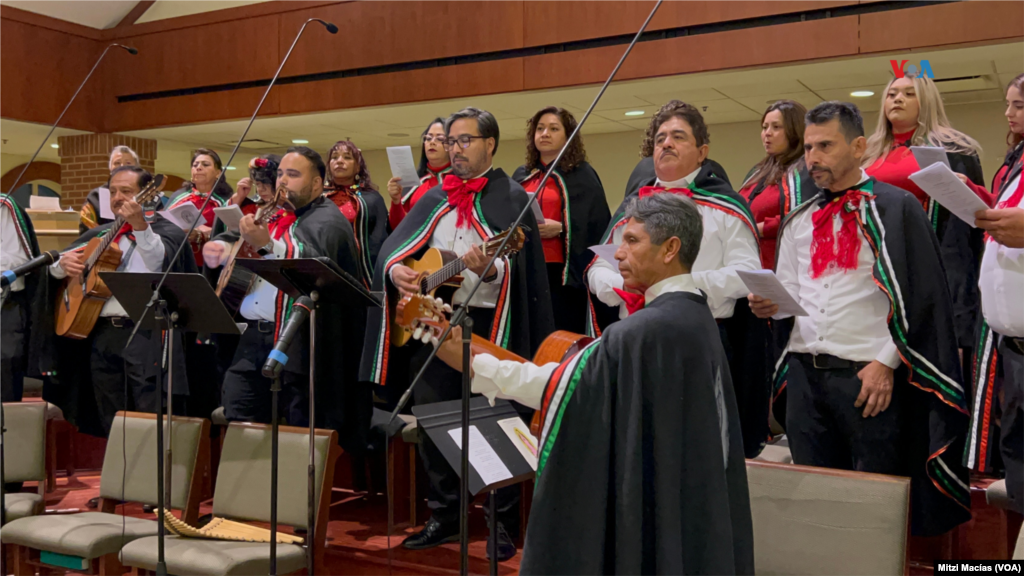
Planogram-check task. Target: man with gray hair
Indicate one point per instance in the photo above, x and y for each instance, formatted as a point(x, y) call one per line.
point(640, 462)
point(90, 214)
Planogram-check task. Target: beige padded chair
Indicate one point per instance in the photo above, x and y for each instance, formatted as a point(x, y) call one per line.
point(243, 494)
point(818, 521)
point(1018, 551)
point(24, 456)
point(94, 538)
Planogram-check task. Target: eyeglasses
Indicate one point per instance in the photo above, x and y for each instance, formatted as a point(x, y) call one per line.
point(464, 141)
point(430, 138)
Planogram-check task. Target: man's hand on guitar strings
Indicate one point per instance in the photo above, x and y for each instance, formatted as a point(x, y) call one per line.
point(404, 278)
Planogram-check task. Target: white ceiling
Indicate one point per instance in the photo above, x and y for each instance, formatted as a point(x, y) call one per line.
point(103, 14)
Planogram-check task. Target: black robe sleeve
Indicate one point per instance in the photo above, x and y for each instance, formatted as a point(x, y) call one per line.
point(375, 231)
point(961, 247)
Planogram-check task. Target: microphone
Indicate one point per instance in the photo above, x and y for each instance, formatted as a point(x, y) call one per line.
point(330, 27)
point(277, 359)
point(7, 277)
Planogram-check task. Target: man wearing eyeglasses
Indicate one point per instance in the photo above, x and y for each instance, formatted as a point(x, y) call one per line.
point(511, 308)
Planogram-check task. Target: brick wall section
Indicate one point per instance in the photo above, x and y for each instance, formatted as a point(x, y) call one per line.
point(84, 162)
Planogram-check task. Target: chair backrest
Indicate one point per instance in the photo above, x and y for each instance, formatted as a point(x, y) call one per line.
point(243, 476)
point(132, 453)
point(819, 521)
point(24, 441)
point(1018, 550)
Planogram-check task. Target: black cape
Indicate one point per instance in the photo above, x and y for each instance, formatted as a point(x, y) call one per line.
point(641, 468)
point(644, 171)
point(748, 336)
point(907, 260)
point(90, 213)
point(523, 317)
point(344, 404)
point(371, 229)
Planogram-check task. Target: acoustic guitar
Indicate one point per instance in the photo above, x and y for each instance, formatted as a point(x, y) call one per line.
point(440, 269)
point(235, 281)
point(427, 319)
point(81, 298)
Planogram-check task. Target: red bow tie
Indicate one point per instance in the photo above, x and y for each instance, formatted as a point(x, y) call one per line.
point(633, 301)
point(648, 190)
point(461, 194)
point(280, 222)
point(826, 255)
point(125, 230)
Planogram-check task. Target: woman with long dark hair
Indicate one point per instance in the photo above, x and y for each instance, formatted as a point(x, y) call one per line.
point(575, 211)
point(349, 186)
point(434, 164)
point(782, 135)
point(206, 169)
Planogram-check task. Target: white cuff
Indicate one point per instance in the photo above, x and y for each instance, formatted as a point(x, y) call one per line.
point(523, 382)
point(889, 355)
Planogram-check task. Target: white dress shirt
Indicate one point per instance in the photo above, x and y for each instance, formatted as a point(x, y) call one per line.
point(524, 382)
point(725, 247)
point(260, 302)
point(1002, 282)
point(148, 256)
point(447, 236)
point(847, 312)
point(12, 253)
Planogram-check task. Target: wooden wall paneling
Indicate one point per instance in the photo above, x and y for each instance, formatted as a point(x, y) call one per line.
point(796, 42)
point(379, 33)
point(178, 110)
point(41, 70)
point(942, 24)
point(555, 22)
point(214, 17)
point(40, 21)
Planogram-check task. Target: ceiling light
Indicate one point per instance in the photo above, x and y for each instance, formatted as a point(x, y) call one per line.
point(398, 135)
point(230, 168)
point(862, 93)
point(635, 113)
point(300, 141)
point(54, 145)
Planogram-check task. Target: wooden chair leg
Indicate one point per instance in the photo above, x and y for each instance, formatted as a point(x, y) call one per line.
point(70, 432)
point(20, 565)
point(51, 455)
point(110, 565)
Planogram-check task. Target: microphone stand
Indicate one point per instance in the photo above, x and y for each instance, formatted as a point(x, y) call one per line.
point(461, 313)
point(6, 290)
point(164, 480)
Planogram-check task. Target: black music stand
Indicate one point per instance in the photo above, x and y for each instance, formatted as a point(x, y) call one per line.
point(437, 420)
point(187, 302)
point(321, 280)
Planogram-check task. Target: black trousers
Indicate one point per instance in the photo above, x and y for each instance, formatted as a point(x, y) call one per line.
point(569, 303)
point(13, 346)
point(246, 392)
point(825, 429)
point(442, 383)
point(1011, 425)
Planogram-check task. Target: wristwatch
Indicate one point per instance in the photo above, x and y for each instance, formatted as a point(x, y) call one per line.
point(268, 249)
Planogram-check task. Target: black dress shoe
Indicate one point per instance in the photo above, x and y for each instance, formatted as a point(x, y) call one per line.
point(93, 502)
point(433, 534)
point(149, 508)
point(506, 549)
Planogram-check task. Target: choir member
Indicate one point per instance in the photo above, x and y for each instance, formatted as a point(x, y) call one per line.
point(308, 226)
point(997, 423)
point(913, 115)
point(349, 186)
point(434, 164)
point(680, 148)
point(609, 412)
point(100, 365)
point(512, 307)
point(860, 257)
point(206, 170)
point(782, 135)
point(262, 176)
point(89, 215)
point(574, 206)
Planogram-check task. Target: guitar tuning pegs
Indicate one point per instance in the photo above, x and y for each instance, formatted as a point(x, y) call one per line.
point(447, 308)
point(434, 341)
point(426, 337)
point(418, 333)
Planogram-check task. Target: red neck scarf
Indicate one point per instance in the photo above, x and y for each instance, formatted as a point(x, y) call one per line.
point(826, 256)
point(461, 195)
point(648, 190)
point(280, 222)
point(125, 230)
point(437, 171)
point(633, 301)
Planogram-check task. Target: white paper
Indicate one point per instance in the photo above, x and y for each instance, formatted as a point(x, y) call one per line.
point(606, 252)
point(403, 166)
point(519, 433)
point(482, 457)
point(44, 203)
point(939, 182)
point(105, 211)
point(537, 212)
point(183, 215)
point(928, 155)
point(230, 216)
point(766, 284)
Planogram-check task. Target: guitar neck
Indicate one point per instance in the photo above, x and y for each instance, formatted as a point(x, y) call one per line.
point(446, 273)
point(481, 345)
point(107, 241)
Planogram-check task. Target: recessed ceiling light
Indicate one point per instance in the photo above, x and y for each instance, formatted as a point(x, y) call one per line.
point(862, 93)
point(300, 141)
point(398, 135)
point(54, 145)
point(230, 168)
point(635, 113)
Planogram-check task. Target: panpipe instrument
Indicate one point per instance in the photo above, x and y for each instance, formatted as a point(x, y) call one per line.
point(441, 268)
point(81, 298)
point(221, 529)
point(235, 281)
point(426, 317)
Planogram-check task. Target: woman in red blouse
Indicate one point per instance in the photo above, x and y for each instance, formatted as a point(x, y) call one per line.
point(262, 174)
point(575, 211)
point(1011, 167)
point(434, 164)
point(206, 169)
point(349, 186)
point(782, 135)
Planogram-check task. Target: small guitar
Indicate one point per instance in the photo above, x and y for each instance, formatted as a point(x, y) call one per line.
point(427, 318)
point(82, 298)
point(441, 268)
point(235, 281)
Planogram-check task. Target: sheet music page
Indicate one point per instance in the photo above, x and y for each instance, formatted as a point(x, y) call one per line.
point(928, 155)
point(482, 456)
point(766, 284)
point(229, 215)
point(403, 166)
point(939, 182)
point(182, 216)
